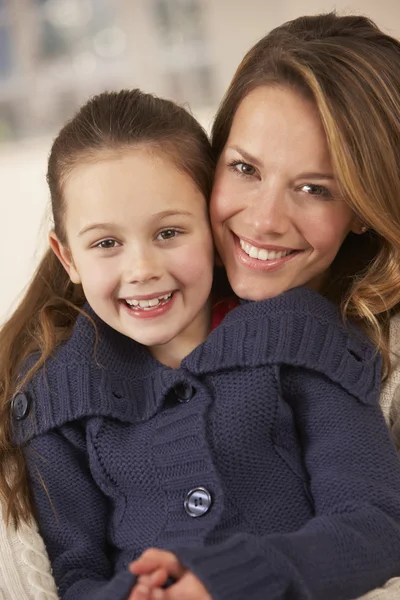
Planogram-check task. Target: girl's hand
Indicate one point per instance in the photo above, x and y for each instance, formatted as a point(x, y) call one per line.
point(153, 569)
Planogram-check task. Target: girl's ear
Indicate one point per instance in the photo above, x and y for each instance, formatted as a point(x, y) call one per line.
point(64, 256)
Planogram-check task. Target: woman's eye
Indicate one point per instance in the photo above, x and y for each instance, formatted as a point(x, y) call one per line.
point(167, 234)
point(107, 244)
point(242, 168)
point(316, 190)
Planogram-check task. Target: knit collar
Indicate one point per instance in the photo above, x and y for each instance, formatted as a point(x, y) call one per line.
point(99, 371)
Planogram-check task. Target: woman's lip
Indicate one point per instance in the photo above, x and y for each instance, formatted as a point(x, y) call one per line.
point(268, 247)
point(261, 265)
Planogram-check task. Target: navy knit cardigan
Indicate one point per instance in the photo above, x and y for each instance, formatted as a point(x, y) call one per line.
point(263, 462)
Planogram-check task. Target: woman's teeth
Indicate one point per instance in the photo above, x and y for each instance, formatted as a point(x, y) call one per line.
point(261, 253)
point(150, 303)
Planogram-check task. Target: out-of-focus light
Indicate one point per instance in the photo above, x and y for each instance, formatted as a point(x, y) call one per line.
point(68, 13)
point(110, 42)
point(84, 63)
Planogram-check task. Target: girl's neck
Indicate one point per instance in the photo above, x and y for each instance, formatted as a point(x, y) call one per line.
point(172, 353)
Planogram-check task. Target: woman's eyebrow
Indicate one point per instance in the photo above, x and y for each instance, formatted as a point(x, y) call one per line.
point(316, 175)
point(246, 155)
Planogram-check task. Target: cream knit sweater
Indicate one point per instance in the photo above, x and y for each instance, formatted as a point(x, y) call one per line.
point(390, 403)
point(24, 566)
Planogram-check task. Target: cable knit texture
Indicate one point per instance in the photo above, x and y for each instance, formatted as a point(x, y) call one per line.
point(390, 396)
point(275, 417)
point(390, 404)
point(24, 565)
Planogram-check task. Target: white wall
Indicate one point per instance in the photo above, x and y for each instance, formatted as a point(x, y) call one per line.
point(23, 201)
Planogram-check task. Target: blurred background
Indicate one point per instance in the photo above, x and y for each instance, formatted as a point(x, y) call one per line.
point(54, 54)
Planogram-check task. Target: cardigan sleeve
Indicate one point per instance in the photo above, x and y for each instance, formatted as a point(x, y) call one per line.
point(75, 535)
point(352, 544)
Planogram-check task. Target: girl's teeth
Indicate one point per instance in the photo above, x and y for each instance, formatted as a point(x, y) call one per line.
point(147, 304)
point(261, 253)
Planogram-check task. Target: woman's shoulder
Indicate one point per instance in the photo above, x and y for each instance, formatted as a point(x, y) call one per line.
point(24, 565)
point(395, 338)
point(299, 328)
point(390, 393)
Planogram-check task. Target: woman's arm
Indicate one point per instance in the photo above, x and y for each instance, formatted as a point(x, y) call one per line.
point(390, 591)
point(73, 515)
point(390, 394)
point(352, 545)
point(390, 404)
point(24, 565)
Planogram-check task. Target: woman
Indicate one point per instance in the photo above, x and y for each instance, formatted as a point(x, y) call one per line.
point(309, 127)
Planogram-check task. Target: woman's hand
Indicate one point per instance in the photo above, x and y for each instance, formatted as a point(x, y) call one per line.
point(154, 568)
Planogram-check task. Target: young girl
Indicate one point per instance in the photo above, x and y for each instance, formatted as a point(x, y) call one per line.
point(257, 454)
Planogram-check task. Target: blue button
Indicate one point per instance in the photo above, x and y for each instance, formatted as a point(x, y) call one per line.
point(20, 406)
point(197, 502)
point(184, 392)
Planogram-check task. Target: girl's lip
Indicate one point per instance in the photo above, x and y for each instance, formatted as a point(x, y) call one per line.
point(262, 265)
point(148, 296)
point(153, 312)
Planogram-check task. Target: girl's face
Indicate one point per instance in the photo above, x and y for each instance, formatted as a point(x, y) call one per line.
point(276, 211)
point(140, 244)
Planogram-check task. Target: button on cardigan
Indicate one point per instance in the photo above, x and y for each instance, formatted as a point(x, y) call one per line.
point(275, 477)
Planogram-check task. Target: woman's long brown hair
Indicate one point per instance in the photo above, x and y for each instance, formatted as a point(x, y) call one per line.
point(351, 71)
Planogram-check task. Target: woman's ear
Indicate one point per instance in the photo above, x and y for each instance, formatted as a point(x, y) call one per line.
point(64, 256)
point(359, 227)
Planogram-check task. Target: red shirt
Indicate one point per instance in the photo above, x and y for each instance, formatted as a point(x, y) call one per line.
point(220, 309)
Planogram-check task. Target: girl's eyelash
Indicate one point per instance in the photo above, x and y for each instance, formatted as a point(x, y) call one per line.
point(174, 230)
point(98, 244)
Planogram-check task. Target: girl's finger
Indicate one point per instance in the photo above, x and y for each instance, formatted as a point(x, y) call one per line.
point(140, 592)
point(154, 559)
point(156, 579)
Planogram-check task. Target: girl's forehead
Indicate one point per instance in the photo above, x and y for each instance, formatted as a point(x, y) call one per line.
point(131, 186)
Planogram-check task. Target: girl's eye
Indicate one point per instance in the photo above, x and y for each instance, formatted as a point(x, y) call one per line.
point(167, 234)
point(107, 244)
point(316, 190)
point(242, 168)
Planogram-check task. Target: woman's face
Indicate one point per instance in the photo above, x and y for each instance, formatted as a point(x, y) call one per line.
point(276, 210)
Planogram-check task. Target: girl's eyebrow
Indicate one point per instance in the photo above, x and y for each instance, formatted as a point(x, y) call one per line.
point(161, 215)
point(172, 213)
point(96, 226)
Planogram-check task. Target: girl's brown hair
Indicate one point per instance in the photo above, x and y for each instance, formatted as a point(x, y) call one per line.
point(110, 122)
point(351, 71)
